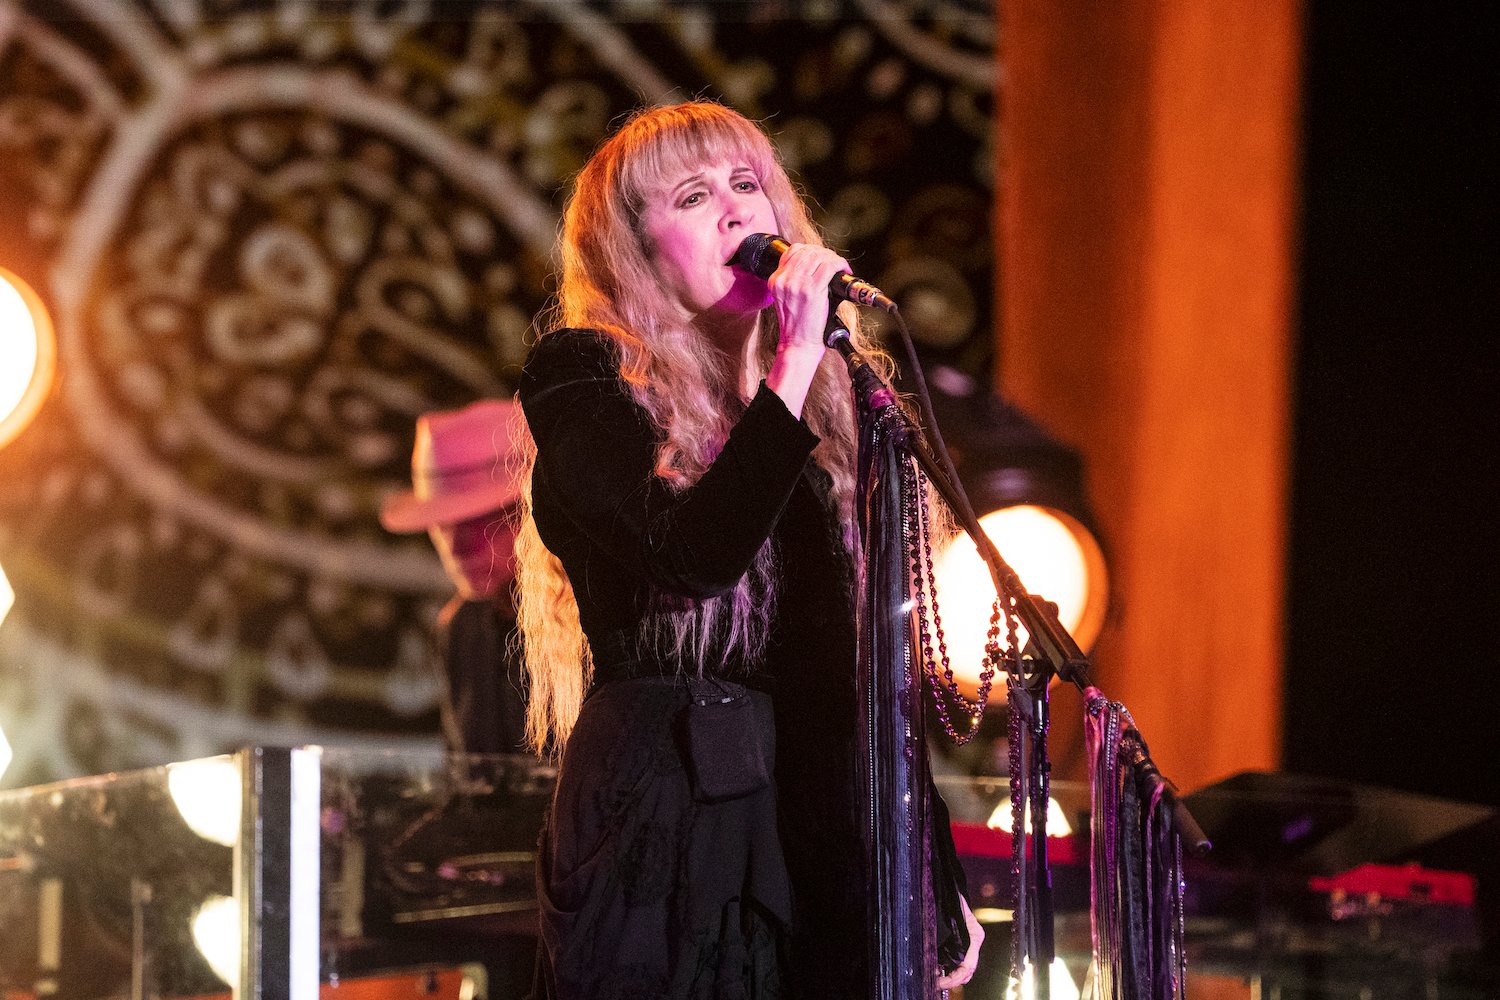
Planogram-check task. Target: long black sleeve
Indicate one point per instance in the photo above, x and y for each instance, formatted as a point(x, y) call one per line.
point(596, 494)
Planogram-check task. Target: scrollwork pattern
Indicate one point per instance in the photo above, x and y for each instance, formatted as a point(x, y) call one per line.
point(272, 233)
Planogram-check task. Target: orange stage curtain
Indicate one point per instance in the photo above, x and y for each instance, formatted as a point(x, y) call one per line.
point(1147, 172)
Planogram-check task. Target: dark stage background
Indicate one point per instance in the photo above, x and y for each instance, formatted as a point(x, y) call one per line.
point(1392, 590)
point(273, 232)
point(1392, 598)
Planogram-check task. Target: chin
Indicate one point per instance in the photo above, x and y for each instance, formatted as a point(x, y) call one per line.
point(748, 294)
point(735, 304)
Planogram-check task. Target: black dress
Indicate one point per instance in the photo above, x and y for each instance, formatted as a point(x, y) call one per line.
point(646, 891)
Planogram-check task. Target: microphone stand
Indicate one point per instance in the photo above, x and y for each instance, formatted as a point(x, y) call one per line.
point(1050, 651)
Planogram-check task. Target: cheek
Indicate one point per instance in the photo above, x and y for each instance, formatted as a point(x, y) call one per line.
point(682, 254)
point(668, 243)
point(676, 273)
point(679, 245)
point(770, 213)
point(691, 280)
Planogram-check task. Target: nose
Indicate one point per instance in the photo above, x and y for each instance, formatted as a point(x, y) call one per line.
point(733, 215)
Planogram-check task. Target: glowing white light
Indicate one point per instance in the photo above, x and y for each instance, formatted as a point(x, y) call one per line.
point(1057, 820)
point(304, 928)
point(7, 598)
point(216, 933)
point(207, 794)
point(7, 595)
point(18, 350)
point(1061, 984)
point(1056, 559)
point(27, 354)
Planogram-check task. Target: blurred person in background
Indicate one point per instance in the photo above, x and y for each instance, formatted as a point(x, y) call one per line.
point(464, 493)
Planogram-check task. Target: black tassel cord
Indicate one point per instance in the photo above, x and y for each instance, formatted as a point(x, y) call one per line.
point(1136, 901)
point(1136, 904)
point(893, 764)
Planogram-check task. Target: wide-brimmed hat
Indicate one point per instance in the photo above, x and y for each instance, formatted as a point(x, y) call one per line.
point(461, 467)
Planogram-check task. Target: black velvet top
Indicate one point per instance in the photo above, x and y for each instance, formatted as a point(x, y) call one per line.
point(624, 537)
point(622, 534)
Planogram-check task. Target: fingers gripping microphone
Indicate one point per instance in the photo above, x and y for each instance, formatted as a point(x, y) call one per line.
point(760, 253)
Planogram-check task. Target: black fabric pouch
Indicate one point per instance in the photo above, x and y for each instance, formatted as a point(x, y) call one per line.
point(727, 743)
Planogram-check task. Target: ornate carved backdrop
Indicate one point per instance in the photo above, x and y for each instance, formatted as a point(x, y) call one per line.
point(272, 233)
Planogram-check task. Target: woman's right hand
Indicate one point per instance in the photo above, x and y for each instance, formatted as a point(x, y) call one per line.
point(799, 292)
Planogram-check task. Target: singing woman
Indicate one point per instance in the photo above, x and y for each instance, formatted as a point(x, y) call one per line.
point(687, 559)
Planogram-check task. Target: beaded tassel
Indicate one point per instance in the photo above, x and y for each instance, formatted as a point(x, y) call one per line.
point(932, 641)
point(1136, 906)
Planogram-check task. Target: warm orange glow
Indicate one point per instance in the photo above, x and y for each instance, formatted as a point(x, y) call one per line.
point(28, 355)
point(1056, 558)
point(1146, 308)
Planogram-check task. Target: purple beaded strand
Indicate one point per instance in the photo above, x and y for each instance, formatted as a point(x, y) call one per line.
point(944, 686)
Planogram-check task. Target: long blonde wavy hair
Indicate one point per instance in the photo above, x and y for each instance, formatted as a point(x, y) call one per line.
point(690, 390)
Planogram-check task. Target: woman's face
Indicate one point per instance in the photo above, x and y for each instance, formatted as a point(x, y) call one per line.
point(694, 223)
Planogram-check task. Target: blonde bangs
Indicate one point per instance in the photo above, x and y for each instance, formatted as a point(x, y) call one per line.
point(665, 145)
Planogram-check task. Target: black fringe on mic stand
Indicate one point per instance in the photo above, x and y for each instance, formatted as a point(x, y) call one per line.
point(1139, 825)
point(898, 829)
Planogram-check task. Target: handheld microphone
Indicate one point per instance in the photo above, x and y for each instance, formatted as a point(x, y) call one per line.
point(760, 253)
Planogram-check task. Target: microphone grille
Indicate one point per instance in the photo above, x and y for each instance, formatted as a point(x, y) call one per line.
point(758, 254)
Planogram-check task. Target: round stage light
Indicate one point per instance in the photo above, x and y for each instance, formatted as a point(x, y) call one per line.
point(28, 355)
point(1028, 490)
point(1057, 559)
